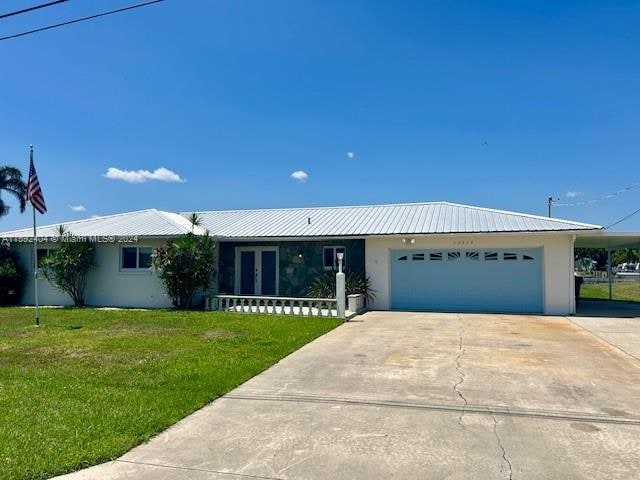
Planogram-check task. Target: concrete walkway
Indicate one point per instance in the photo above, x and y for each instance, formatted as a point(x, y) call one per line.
point(407, 396)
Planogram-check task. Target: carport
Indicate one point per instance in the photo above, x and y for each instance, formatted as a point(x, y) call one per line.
point(610, 241)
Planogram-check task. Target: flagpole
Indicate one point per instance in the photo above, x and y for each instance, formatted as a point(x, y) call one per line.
point(35, 253)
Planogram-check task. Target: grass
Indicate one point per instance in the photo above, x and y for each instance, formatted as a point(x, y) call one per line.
point(91, 384)
point(628, 291)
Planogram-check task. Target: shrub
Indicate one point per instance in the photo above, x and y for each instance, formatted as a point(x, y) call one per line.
point(186, 266)
point(324, 285)
point(67, 267)
point(12, 276)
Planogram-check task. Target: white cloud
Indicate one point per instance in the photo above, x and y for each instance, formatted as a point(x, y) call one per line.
point(573, 194)
point(140, 176)
point(78, 208)
point(351, 155)
point(299, 175)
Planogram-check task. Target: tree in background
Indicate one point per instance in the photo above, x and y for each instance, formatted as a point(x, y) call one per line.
point(11, 182)
point(627, 255)
point(597, 254)
point(67, 267)
point(186, 266)
point(12, 276)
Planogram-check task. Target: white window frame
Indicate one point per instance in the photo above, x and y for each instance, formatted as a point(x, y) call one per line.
point(335, 257)
point(137, 268)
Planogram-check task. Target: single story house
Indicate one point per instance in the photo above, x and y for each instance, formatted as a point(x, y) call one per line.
point(420, 256)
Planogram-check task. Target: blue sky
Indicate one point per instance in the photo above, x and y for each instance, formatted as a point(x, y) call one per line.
point(235, 96)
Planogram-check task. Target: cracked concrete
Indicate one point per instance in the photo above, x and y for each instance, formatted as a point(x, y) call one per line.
point(458, 384)
point(509, 469)
point(541, 397)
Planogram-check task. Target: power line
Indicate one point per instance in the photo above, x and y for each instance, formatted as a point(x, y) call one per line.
point(599, 199)
point(31, 9)
point(77, 20)
point(623, 219)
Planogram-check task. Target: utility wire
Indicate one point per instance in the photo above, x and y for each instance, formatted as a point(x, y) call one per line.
point(622, 219)
point(77, 20)
point(31, 9)
point(599, 199)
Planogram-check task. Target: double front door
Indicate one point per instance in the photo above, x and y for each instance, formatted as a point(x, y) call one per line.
point(256, 271)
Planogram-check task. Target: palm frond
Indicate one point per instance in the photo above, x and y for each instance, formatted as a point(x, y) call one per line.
point(11, 182)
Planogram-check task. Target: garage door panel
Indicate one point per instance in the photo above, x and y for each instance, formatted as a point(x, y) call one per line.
point(467, 280)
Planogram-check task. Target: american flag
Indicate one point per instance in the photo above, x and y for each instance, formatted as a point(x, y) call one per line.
point(34, 192)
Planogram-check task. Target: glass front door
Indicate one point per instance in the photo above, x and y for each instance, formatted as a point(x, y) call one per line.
point(257, 271)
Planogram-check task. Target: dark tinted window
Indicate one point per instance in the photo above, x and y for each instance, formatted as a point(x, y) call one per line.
point(129, 257)
point(328, 257)
point(144, 257)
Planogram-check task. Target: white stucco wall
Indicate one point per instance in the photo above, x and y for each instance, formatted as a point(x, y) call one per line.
point(558, 287)
point(107, 285)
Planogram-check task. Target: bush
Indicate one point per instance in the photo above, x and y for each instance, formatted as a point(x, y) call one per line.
point(186, 266)
point(12, 276)
point(324, 285)
point(67, 267)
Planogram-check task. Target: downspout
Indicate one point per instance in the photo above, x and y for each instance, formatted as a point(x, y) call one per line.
point(572, 285)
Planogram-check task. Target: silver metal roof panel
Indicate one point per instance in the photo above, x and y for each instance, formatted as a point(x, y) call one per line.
point(367, 220)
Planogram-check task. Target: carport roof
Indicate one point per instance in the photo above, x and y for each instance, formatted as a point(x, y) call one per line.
point(318, 222)
point(613, 240)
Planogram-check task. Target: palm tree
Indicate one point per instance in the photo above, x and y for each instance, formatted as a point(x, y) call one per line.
point(11, 181)
point(195, 220)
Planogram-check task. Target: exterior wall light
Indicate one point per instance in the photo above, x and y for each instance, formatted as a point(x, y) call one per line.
point(409, 241)
point(300, 254)
point(340, 258)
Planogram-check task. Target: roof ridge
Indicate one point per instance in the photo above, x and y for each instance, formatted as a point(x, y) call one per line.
point(315, 208)
point(186, 225)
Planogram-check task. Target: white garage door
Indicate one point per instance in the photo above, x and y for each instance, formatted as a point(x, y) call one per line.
point(483, 280)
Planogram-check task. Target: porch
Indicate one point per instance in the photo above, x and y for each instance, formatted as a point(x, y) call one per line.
point(296, 306)
point(285, 268)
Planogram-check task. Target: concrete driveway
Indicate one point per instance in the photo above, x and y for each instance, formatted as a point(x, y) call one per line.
point(408, 396)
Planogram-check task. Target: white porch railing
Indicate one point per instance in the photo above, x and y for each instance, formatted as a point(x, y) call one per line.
point(305, 307)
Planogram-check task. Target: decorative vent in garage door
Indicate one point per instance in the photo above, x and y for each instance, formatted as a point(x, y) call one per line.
point(469, 255)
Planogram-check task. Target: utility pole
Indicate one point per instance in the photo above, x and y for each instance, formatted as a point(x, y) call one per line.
point(550, 202)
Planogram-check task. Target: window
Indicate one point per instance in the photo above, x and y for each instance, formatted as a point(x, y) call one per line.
point(472, 256)
point(135, 258)
point(402, 258)
point(435, 257)
point(510, 256)
point(527, 257)
point(453, 256)
point(42, 254)
point(488, 256)
point(330, 257)
point(418, 256)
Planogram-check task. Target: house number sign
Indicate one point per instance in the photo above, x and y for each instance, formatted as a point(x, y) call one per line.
point(458, 243)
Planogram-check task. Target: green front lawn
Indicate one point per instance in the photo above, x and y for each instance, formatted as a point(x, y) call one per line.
point(91, 384)
point(629, 291)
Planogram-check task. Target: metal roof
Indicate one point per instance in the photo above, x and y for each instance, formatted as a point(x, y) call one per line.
point(143, 223)
point(399, 219)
